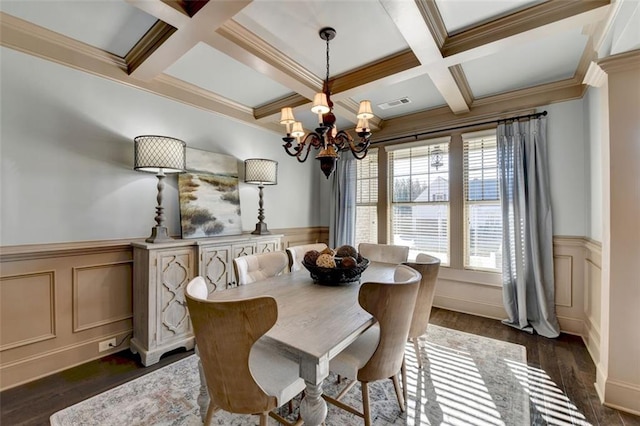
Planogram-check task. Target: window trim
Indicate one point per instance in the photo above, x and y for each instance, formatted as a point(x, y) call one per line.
point(455, 271)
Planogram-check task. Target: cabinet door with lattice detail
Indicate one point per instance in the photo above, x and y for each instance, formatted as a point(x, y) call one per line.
point(215, 267)
point(268, 246)
point(176, 269)
point(243, 249)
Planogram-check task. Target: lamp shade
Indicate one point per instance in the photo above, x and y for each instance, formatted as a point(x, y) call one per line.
point(364, 111)
point(155, 153)
point(320, 104)
point(261, 171)
point(286, 116)
point(297, 131)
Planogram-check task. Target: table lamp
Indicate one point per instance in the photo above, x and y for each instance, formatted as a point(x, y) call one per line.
point(260, 171)
point(159, 155)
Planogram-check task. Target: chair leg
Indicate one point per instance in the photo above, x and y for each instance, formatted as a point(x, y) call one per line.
point(365, 403)
point(399, 392)
point(403, 371)
point(416, 346)
point(210, 412)
point(264, 419)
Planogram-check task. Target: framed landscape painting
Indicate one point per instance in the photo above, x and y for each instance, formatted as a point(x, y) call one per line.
point(209, 197)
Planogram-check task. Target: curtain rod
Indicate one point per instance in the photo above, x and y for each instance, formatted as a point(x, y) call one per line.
point(534, 115)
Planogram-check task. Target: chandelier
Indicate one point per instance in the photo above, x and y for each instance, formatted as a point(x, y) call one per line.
point(326, 136)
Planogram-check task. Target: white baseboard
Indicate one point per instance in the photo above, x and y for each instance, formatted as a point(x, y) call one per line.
point(473, 307)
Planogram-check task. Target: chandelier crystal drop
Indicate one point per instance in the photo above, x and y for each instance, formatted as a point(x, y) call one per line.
point(326, 138)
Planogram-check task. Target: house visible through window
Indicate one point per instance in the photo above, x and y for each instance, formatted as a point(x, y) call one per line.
point(419, 192)
point(482, 213)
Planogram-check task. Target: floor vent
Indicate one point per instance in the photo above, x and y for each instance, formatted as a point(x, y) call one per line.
point(393, 104)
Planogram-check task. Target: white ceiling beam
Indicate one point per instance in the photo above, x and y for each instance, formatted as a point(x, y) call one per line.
point(237, 42)
point(410, 22)
point(496, 45)
point(190, 31)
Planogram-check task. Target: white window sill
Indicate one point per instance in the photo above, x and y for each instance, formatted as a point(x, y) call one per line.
point(493, 279)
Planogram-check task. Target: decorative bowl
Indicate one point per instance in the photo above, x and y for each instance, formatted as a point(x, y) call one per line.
point(338, 275)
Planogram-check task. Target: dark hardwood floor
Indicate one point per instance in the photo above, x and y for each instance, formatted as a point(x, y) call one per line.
point(564, 360)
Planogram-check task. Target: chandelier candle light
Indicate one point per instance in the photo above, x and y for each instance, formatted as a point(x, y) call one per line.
point(159, 155)
point(260, 171)
point(326, 137)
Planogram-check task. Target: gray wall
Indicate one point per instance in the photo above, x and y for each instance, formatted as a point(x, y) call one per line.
point(67, 154)
point(568, 148)
point(597, 130)
point(66, 148)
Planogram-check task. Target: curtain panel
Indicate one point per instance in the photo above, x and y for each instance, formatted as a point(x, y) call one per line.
point(342, 216)
point(527, 261)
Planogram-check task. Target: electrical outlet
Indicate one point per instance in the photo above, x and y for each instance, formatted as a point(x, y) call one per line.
point(106, 345)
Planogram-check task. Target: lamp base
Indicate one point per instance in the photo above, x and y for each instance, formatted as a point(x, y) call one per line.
point(159, 234)
point(261, 229)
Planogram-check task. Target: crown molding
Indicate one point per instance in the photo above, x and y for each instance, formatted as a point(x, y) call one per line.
point(621, 62)
point(373, 71)
point(595, 76)
point(369, 73)
point(518, 22)
point(241, 44)
point(518, 102)
point(461, 81)
point(37, 41)
point(28, 38)
point(433, 19)
point(157, 34)
point(270, 110)
point(542, 94)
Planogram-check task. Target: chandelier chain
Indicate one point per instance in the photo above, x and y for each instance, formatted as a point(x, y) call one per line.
point(327, 78)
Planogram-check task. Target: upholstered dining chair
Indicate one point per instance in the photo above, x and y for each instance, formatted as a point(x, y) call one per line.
point(245, 375)
point(256, 267)
point(378, 353)
point(296, 254)
point(384, 252)
point(428, 266)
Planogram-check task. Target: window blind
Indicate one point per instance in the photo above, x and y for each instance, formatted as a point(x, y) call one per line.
point(419, 190)
point(367, 198)
point(482, 212)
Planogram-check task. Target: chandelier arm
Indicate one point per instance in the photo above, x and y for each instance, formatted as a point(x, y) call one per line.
point(310, 140)
point(287, 147)
point(361, 146)
point(357, 154)
point(342, 139)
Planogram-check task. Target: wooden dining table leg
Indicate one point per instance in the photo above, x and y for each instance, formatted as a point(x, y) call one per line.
point(313, 408)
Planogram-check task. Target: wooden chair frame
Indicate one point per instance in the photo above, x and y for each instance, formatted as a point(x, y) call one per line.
point(387, 303)
point(239, 324)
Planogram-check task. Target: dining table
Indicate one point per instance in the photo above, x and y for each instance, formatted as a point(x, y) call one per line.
point(315, 323)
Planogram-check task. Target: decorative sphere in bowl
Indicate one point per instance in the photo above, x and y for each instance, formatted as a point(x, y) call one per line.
point(338, 275)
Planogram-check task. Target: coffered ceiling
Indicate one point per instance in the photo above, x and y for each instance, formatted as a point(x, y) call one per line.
point(416, 60)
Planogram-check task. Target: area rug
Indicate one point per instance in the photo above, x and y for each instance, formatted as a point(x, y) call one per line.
point(465, 380)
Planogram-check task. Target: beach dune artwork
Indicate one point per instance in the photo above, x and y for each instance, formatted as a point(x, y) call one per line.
point(209, 197)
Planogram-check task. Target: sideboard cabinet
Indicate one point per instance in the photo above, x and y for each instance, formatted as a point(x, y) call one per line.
point(161, 273)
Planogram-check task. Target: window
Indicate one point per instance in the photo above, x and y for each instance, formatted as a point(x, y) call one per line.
point(482, 212)
point(441, 197)
point(419, 192)
point(367, 198)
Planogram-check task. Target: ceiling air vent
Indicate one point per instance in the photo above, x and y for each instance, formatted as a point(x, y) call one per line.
point(393, 104)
